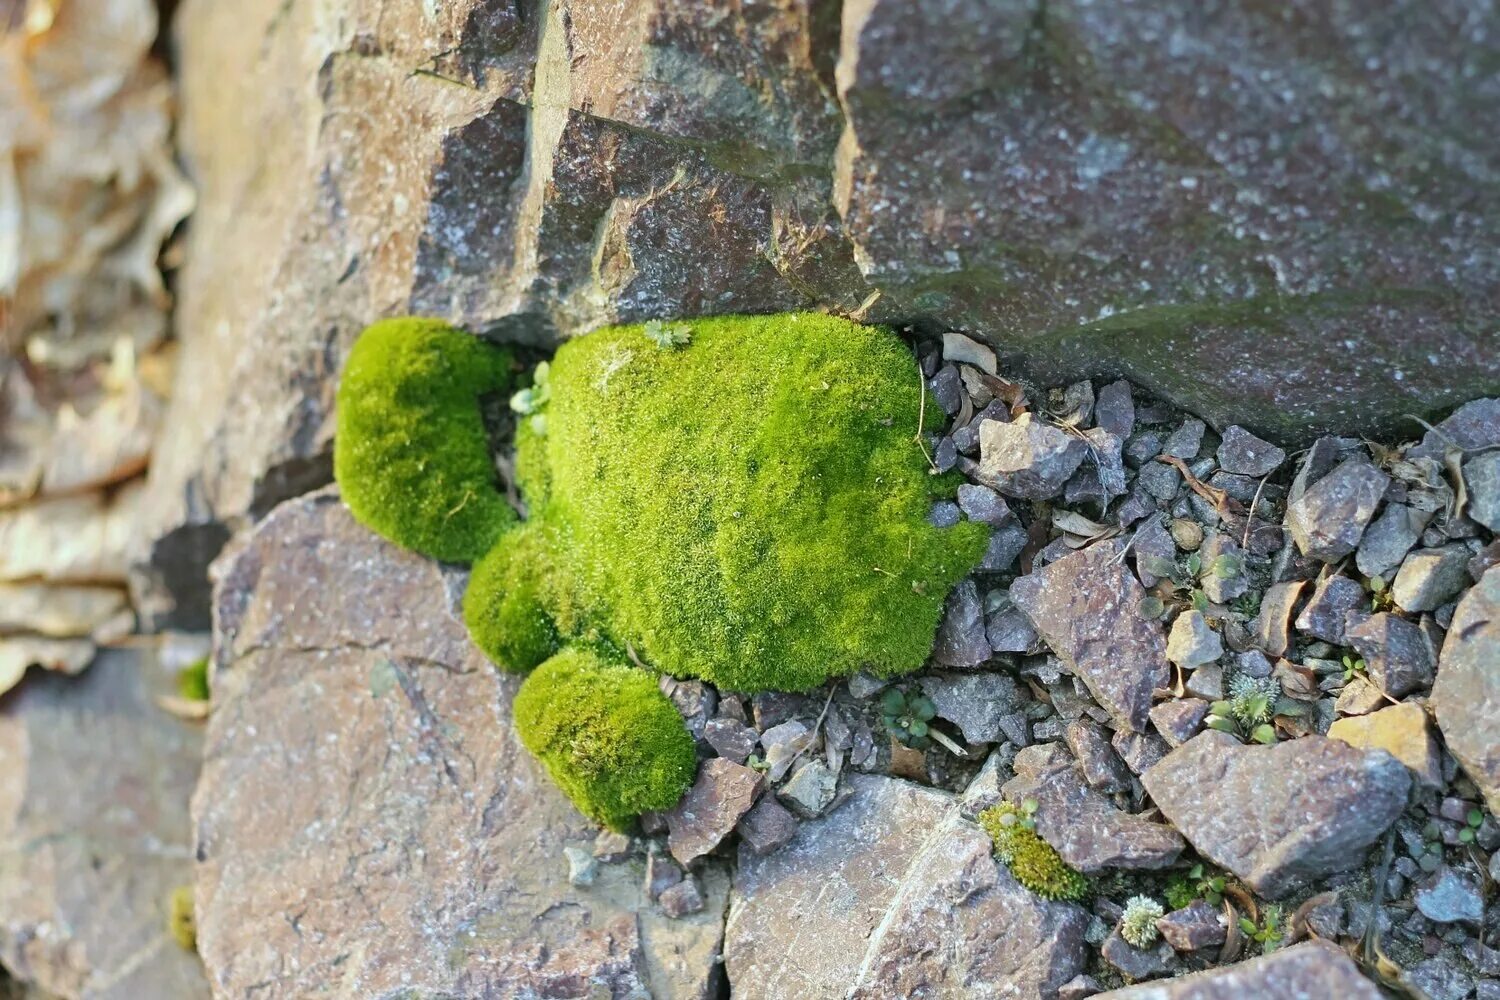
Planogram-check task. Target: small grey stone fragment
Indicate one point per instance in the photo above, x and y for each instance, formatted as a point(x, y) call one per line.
point(611, 846)
point(1244, 454)
point(975, 702)
point(1185, 440)
point(1323, 616)
point(1079, 987)
point(1179, 719)
point(1197, 925)
point(982, 504)
point(1328, 521)
point(811, 789)
point(1438, 978)
point(730, 739)
point(865, 685)
point(1027, 458)
point(1482, 477)
point(722, 793)
point(1359, 697)
point(1447, 897)
point(1389, 538)
point(1313, 970)
point(783, 744)
point(948, 388)
point(1207, 682)
point(767, 827)
point(1429, 578)
point(1137, 964)
point(661, 874)
point(965, 350)
point(1153, 547)
point(961, 641)
point(1139, 751)
point(1005, 545)
point(1102, 768)
point(1159, 480)
point(1473, 426)
point(1224, 574)
point(1010, 631)
point(1114, 410)
point(681, 899)
point(582, 865)
point(944, 514)
point(1396, 654)
point(1192, 641)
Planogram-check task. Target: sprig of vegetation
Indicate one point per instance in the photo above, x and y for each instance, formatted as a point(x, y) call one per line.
point(530, 401)
point(1272, 929)
point(1034, 862)
point(1248, 710)
point(1180, 580)
point(668, 336)
point(906, 716)
point(1138, 922)
point(1197, 884)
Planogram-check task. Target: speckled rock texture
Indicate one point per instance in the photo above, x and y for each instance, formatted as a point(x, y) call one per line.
point(367, 823)
point(1304, 245)
point(1301, 972)
point(1466, 696)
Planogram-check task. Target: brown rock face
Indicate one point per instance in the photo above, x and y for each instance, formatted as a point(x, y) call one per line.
point(366, 819)
point(94, 784)
point(1304, 970)
point(532, 171)
point(1466, 696)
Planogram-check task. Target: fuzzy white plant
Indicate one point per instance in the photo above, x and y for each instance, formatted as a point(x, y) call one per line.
point(1138, 922)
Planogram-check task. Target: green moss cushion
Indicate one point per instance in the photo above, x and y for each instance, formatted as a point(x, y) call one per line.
point(506, 603)
point(606, 734)
point(751, 508)
point(411, 455)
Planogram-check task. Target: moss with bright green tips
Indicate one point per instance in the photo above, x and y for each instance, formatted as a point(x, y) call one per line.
point(506, 602)
point(606, 734)
point(1034, 862)
point(411, 455)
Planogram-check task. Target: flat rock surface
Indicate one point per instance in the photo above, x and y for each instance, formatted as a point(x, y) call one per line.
point(367, 822)
point(894, 894)
point(1087, 606)
point(1085, 827)
point(1466, 695)
point(1301, 972)
point(1278, 816)
point(94, 832)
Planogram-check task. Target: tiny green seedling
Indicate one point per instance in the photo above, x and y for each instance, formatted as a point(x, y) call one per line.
point(668, 336)
point(1472, 822)
point(1354, 666)
point(1197, 884)
point(1272, 929)
point(530, 401)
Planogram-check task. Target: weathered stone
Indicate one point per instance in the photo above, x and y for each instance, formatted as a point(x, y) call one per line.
point(731, 739)
point(1396, 654)
point(1027, 458)
point(1192, 642)
point(961, 640)
point(58, 611)
point(767, 827)
point(982, 504)
point(1273, 625)
point(1139, 751)
point(1185, 441)
point(810, 790)
point(1389, 538)
point(1430, 578)
point(1472, 426)
point(1079, 987)
point(347, 694)
point(1278, 816)
point(1115, 409)
point(1333, 598)
point(1482, 478)
point(1244, 454)
point(976, 703)
point(661, 874)
point(582, 865)
point(1197, 925)
point(784, 744)
point(1466, 695)
point(948, 389)
point(695, 701)
point(1439, 978)
point(1010, 631)
point(964, 350)
point(1328, 521)
point(1207, 682)
point(1311, 969)
point(723, 792)
point(95, 780)
point(611, 846)
point(1159, 480)
point(1087, 606)
point(1448, 897)
point(1085, 827)
point(1136, 964)
point(682, 899)
point(1401, 731)
point(1179, 719)
point(1359, 697)
point(944, 513)
point(1224, 577)
point(1101, 767)
point(1153, 548)
point(1006, 543)
point(894, 894)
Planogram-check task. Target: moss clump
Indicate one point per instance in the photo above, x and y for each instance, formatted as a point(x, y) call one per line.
point(1033, 861)
point(749, 508)
point(412, 456)
point(505, 604)
point(192, 683)
point(182, 926)
point(607, 735)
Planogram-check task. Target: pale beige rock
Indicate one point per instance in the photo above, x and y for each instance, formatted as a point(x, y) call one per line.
point(66, 656)
point(108, 445)
point(80, 538)
point(1400, 730)
point(58, 611)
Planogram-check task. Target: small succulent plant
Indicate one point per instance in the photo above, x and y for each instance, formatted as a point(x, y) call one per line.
point(1182, 578)
point(1354, 666)
point(1034, 862)
point(1248, 710)
point(529, 402)
point(1138, 922)
point(1271, 931)
point(907, 715)
point(668, 336)
point(1472, 822)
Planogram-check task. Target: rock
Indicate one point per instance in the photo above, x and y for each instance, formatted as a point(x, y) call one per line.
point(610, 846)
point(1466, 695)
point(1185, 440)
point(1087, 606)
point(944, 513)
point(1473, 426)
point(1401, 731)
point(894, 894)
point(1079, 987)
point(1010, 631)
point(962, 350)
point(976, 703)
point(1310, 969)
point(1397, 657)
point(1136, 964)
point(1197, 925)
point(982, 504)
point(59, 612)
point(948, 388)
point(810, 790)
point(94, 832)
point(1085, 828)
point(1328, 521)
point(1192, 643)
point(770, 709)
point(1244, 454)
point(582, 865)
point(1278, 816)
point(1101, 767)
point(1359, 697)
point(1224, 576)
point(1153, 546)
point(347, 693)
point(1323, 615)
point(1447, 897)
point(1139, 751)
point(731, 739)
point(723, 792)
point(1005, 545)
point(1159, 480)
point(767, 827)
point(961, 640)
point(1207, 682)
point(1482, 477)
point(784, 744)
point(1430, 578)
point(1388, 539)
point(682, 899)
point(863, 685)
point(1186, 535)
point(1439, 979)
point(1273, 629)
point(661, 873)
point(1179, 719)
point(1026, 458)
point(1115, 409)
point(695, 701)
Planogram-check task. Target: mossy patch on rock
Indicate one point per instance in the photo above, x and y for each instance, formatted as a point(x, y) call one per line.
point(607, 735)
point(1034, 862)
point(412, 456)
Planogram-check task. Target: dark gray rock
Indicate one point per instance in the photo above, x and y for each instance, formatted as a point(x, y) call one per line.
point(944, 513)
point(976, 703)
point(683, 899)
point(894, 894)
point(947, 388)
point(1328, 521)
point(1450, 897)
point(1482, 477)
point(1010, 631)
point(1397, 657)
point(1114, 411)
point(982, 504)
point(1153, 547)
point(1136, 964)
point(731, 739)
point(1439, 978)
point(1186, 440)
point(961, 640)
point(767, 827)
point(723, 792)
point(1225, 575)
point(1389, 538)
point(1278, 816)
point(1179, 719)
point(1466, 695)
point(1244, 454)
point(1085, 827)
point(1472, 426)
point(1028, 458)
point(1430, 578)
point(1207, 682)
point(1101, 767)
point(1192, 642)
point(1197, 925)
point(1333, 598)
point(1087, 606)
point(1139, 751)
point(1006, 543)
point(1159, 480)
point(1302, 972)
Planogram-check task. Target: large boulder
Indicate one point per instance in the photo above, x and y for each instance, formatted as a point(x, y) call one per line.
point(94, 832)
point(367, 824)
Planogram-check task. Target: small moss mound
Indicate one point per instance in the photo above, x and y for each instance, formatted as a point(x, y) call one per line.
point(607, 735)
point(182, 926)
point(1033, 861)
point(411, 455)
point(192, 683)
point(505, 605)
point(749, 507)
